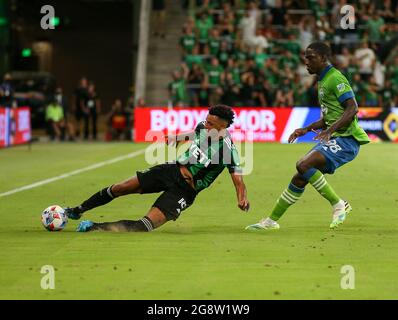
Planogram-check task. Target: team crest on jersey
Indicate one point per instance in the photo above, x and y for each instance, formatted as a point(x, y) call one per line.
point(321, 93)
point(341, 87)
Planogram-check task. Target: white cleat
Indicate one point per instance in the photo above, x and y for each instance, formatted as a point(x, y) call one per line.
point(340, 212)
point(264, 224)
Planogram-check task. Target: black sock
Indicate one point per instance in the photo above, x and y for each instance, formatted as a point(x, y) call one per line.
point(142, 225)
point(98, 199)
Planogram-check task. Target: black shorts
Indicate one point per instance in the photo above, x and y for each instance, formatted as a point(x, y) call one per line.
point(178, 195)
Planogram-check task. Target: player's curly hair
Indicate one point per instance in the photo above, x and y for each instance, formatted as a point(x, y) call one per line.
point(224, 112)
point(321, 48)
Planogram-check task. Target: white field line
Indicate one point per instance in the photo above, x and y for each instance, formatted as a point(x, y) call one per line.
point(73, 173)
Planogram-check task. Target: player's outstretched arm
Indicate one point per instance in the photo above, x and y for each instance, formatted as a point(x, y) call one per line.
point(320, 124)
point(175, 139)
point(351, 109)
point(241, 191)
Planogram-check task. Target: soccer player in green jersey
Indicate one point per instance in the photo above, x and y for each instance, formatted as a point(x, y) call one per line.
point(339, 140)
point(211, 151)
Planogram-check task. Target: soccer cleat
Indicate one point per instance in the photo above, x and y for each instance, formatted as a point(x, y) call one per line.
point(264, 224)
point(72, 214)
point(340, 214)
point(85, 226)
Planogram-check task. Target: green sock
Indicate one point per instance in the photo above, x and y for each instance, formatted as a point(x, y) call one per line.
point(286, 199)
point(319, 182)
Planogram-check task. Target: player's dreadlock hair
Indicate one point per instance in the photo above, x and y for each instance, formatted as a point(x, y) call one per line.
point(322, 49)
point(224, 112)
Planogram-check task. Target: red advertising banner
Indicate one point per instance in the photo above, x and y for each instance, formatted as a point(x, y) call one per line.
point(22, 133)
point(3, 127)
point(258, 124)
point(14, 126)
point(251, 124)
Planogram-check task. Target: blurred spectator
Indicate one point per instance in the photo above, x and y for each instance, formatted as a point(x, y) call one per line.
point(159, 17)
point(300, 92)
point(129, 111)
point(248, 90)
point(117, 122)
point(141, 103)
point(344, 58)
point(259, 40)
point(61, 100)
point(214, 77)
point(319, 8)
point(366, 59)
point(392, 73)
point(91, 110)
point(204, 23)
point(292, 44)
point(264, 93)
point(254, 12)
point(177, 88)
point(287, 59)
point(369, 93)
point(6, 91)
point(323, 28)
point(278, 13)
point(79, 101)
point(387, 95)
point(358, 87)
point(204, 94)
point(385, 9)
point(229, 89)
point(306, 31)
point(195, 79)
point(284, 95)
point(188, 43)
point(214, 43)
point(227, 28)
point(248, 27)
point(375, 26)
point(224, 54)
point(55, 120)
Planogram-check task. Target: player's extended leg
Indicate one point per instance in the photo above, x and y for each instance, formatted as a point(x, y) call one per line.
point(288, 197)
point(154, 219)
point(308, 172)
point(105, 196)
point(310, 169)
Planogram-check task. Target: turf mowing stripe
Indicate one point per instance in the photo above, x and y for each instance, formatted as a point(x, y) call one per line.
point(72, 173)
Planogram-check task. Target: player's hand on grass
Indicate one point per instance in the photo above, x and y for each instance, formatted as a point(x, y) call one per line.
point(244, 205)
point(297, 133)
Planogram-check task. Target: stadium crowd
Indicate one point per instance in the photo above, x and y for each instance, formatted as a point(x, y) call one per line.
point(251, 53)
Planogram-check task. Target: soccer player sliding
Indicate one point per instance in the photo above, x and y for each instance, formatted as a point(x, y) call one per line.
point(339, 140)
point(211, 151)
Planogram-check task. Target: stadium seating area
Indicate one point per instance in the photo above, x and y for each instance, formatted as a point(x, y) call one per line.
point(251, 53)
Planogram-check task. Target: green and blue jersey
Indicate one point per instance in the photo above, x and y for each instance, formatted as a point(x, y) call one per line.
point(333, 90)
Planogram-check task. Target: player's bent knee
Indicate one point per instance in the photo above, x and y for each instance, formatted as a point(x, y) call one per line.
point(118, 189)
point(126, 187)
point(302, 166)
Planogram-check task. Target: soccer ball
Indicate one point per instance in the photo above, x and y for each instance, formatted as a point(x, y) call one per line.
point(54, 218)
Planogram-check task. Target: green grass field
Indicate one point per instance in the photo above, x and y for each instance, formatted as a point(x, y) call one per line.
point(206, 253)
